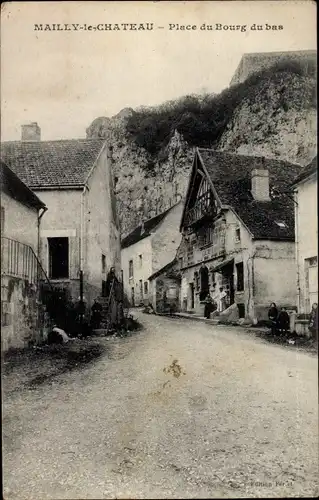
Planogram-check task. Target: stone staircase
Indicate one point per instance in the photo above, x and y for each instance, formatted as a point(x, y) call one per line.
point(105, 326)
point(104, 301)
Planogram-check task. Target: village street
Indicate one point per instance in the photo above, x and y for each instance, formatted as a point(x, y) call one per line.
point(181, 409)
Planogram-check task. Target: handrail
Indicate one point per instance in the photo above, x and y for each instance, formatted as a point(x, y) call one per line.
point(199, 210)
point(43, 271)
point(34, 256)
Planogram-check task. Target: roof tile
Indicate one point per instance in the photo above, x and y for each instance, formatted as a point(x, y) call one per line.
point(51, 163)
point(231, 176)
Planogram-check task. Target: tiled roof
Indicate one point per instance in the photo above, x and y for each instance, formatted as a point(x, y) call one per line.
point(231, 177)
point(14, 187)
point(307, 170)
point(167, 267)
point(144, 230)
point(51, 163)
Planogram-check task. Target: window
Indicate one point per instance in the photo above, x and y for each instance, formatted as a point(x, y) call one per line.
point(141, 288)
point(130, 269)
point(240, 277)
point(237, 234)
point(205, 237)
point(312, 261)
point(196, 280)
point(103, 263)
point(140, 258)
point(146, 288)
point(58, 258)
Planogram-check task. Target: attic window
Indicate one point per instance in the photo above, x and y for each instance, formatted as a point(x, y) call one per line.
point(282, 225)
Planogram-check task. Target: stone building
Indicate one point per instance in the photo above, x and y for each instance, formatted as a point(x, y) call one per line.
point(22, 317)
point(238, 234)
point(165, 288)
point(306, 226)
point(148, 248)
point(80, 234)
point(254, 62)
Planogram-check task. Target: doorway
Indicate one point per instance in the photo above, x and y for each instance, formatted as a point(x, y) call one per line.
point(311, 282)
point(228, 282)
point(133, 296)
point(191, 296)
point(58, 258)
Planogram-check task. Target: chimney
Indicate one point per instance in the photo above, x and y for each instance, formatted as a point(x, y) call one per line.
point(110, 153)
point(260, 184)
point(30, 132)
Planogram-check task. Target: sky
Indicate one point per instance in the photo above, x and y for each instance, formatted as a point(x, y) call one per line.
point(63, 80)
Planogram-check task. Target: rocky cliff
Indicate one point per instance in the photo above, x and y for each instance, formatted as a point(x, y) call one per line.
point(276, 119)
point(145, 186)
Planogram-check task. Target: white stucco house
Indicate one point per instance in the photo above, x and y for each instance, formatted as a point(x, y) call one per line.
point(148, 248)
point(305, 188)
point(79, 236)
point(21, 215)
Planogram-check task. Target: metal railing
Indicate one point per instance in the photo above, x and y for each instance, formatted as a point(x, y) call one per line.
point(202, 207)
point(20, 261)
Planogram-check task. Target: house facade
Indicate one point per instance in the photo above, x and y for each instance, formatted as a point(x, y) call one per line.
point(148, 248)
point(79, 237)
point(165, 288)
point(306, 226)
point(238, 235)
point(22, 317)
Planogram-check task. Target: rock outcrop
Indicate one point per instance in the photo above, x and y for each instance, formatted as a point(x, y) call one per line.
point(277, 120)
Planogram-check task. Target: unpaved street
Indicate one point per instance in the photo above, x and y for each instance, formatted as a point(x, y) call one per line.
point(181, 409)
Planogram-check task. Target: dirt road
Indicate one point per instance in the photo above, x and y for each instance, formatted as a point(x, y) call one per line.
point(181, 409)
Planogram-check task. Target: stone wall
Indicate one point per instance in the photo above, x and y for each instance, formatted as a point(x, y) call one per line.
point(252, 63)
point(167, 295)
point(23, 319)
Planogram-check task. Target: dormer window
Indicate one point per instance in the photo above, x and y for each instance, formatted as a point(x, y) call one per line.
point(237, 235)
point(281, 224)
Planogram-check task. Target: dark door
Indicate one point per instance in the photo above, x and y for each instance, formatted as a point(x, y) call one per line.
point(132, 296)
point(192, 295)
point(58, 257)
point(228, 278)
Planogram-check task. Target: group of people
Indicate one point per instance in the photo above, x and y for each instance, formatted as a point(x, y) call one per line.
point(217, 302)
point(279, 320)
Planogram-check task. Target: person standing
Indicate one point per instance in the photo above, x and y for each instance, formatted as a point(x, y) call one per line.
point(208, 306)
point(272, 316)
point(96, 314)
point(222, 300)
point(313, 321)
point(283, 321)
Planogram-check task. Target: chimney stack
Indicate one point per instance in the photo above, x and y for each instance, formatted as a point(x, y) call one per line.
point(30, 132)
point(260, 184)
point(110, 154)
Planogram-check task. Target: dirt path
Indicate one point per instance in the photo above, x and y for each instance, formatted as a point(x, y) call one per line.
point(181, 409)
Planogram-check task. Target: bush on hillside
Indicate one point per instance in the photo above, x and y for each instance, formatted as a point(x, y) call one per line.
point(202, 119)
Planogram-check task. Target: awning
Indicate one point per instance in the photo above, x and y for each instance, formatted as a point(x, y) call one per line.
point(222, 264)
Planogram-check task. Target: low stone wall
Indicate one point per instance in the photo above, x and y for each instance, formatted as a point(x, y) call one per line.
point(23, 318)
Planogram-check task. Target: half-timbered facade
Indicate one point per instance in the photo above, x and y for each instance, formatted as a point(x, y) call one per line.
point(237, 234)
